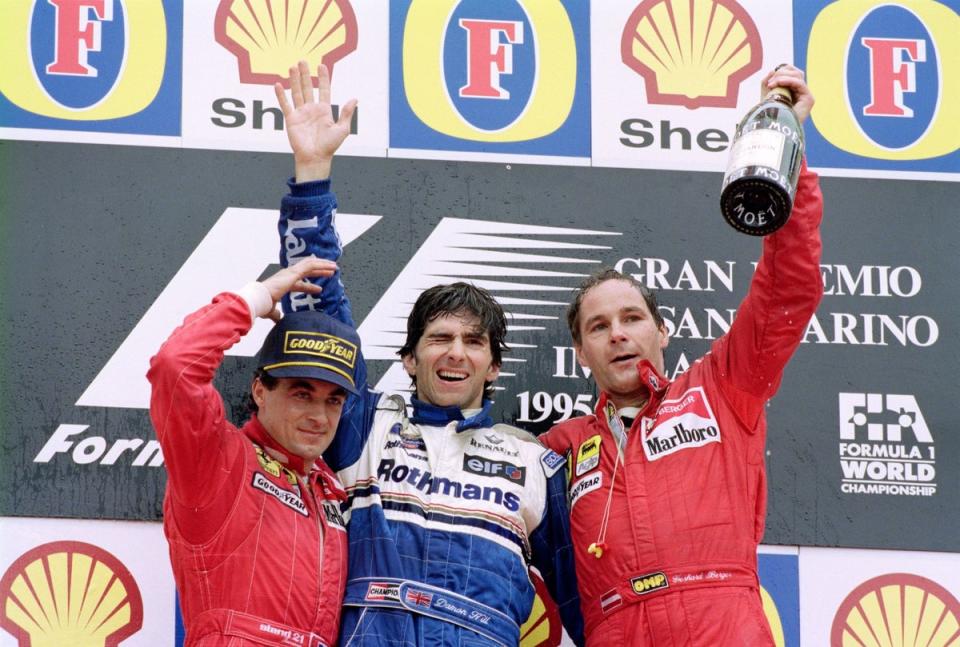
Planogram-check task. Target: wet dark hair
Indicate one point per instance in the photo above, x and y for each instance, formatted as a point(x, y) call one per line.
point(269, 382)
point(602, 276)
point(455, 299)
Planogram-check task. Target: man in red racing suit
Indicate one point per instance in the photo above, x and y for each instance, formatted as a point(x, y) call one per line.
point(668, 556)
point(252, 515)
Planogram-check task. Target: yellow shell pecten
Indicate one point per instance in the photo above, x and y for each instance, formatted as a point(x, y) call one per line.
point(268, 36)
point(900, 614)
point(692, 52)
point(71, 596)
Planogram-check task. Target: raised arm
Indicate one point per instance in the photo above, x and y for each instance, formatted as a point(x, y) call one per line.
point(186, 410)
point(306, 224)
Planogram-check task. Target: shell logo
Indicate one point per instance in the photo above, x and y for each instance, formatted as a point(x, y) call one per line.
point(899, 610)
point(69, 593)
point(266, 36)
point(773, 617)
point(543, 626)
point(692, 53)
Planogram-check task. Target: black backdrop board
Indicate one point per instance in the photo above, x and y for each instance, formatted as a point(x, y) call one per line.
point(85, 253)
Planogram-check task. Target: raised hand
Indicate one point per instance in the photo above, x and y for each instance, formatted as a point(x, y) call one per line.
point(294, 278)
point(788, 76)
point(313, 133)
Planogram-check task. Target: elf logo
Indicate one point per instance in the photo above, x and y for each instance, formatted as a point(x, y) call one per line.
point(487, 467)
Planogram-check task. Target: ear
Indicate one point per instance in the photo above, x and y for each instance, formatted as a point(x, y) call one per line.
point(582, 362)
point(409, 364)
point(256, 390)
point(492, 373)
point(664, 337)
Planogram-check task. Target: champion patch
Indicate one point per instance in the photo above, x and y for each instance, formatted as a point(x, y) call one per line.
point(588, 456)
point(683, 423)
point(585, 485)
point(383, 591)
point(290, 499)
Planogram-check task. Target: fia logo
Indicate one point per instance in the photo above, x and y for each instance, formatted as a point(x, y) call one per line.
point(504, 76)
point(895, 456)
point(96, 65)
point(860, 411)
point(886, 80)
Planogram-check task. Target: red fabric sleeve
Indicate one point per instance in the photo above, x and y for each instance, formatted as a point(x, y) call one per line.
point(199, 444)
point(784, 293)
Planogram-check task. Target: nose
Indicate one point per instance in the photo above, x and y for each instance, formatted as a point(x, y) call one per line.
point(456, 349)
point(617, 331)
point(319, 417)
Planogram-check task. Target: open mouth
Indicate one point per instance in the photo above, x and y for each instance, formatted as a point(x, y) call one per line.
point(624, 359)
point(451, 376)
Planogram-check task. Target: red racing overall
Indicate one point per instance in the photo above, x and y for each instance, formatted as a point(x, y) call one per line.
point(689, 498)
point(259, 554)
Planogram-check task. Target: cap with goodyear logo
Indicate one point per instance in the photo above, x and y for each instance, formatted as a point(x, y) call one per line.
point(313, 345)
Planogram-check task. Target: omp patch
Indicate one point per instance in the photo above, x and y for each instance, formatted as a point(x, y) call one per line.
point(290, 499)
point(588, 456)
point(683, 423)
point(649, 583)
point(585, 485)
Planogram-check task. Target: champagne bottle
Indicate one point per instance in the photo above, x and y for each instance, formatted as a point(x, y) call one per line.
point(761, 178)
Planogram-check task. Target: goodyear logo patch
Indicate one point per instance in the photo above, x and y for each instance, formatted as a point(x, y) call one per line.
point(94, 65)
point(501, 76)
point(290, 499)
point(885, 75)
point(329, 347)
point(585, 485)
point(649, 583)
point(588, 456)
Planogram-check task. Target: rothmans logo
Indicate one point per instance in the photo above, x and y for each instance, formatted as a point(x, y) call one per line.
point(329, 347)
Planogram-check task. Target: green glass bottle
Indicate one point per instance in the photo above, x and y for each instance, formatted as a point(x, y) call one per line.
point(761, 178)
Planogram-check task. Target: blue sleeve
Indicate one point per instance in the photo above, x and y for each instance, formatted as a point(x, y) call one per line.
point(307, 228)
point(553, 556)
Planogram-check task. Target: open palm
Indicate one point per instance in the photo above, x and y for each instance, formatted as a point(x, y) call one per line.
point(313, 133)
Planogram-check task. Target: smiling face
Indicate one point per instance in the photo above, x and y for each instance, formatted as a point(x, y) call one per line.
point(617, 330)
point(301, 414)
point(452, 361)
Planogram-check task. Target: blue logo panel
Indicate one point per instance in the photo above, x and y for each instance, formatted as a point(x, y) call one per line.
point(780, 578)
point(886, 76)
point(92, 65)
point(501, 76)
